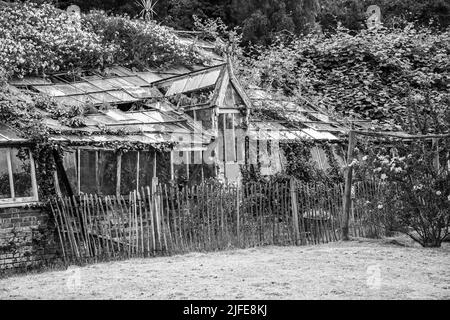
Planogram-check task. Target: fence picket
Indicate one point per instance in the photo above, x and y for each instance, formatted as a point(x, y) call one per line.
point(169, 219)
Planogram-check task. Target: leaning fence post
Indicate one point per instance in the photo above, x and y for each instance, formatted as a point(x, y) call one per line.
point(294, 210)
point(348, 185)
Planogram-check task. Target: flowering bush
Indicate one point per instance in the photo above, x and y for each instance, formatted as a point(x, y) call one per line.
point(40, 39)
point(141, 43)
point(413, 193)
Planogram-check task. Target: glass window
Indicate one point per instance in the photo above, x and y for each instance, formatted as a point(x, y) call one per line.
point(229, 97)
point(146, 165)
point(70, 166)
point(107, 171)
point(128, 174)
point(230, 139)
point(205, 116)
point(208, 171)
point(88, 162)
point(21, 170)
point(17, 176)
point(195, 167)
point(163, 167)
point(5, 190)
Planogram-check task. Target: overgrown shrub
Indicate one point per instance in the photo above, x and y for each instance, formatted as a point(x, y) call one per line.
point(413, 175)
point(39, 39)
point(141, 43)
point(370, 74)
point(414, 196)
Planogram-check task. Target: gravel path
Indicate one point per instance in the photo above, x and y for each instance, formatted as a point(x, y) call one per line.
point(360, 269)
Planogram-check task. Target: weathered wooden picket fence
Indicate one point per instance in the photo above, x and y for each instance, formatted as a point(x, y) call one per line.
point(166, 219)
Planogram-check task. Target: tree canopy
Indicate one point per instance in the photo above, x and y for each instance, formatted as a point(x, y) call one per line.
point(262, 20)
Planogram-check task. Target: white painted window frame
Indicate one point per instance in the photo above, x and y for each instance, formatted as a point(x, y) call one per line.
point(20, 201)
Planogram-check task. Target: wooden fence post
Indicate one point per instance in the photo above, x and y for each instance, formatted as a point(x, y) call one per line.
point(348, 185)
point(294, 200)
point(238, 225)
point(156, 210)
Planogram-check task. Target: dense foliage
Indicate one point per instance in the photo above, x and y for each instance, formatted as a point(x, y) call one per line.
point(262, 20)
point(38, 39)
point(352, 13)
point(414, 192)
point(412, 176)
point(140, 43)
point(374, 74)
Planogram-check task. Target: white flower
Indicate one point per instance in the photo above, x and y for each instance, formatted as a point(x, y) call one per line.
point(365, 158)
point(438, 193)
point(383, 176)
point(448, 197)
point(380, 206)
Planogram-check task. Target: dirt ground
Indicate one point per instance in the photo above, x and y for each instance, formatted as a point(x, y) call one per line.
point(360, 269)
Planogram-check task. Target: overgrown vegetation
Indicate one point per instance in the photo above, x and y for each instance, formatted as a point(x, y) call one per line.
point(413, 177)
point(372, 74)
point(40, 39)
point(262, 21)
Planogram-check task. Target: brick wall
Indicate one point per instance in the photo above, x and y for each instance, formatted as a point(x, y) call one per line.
point(27, 238)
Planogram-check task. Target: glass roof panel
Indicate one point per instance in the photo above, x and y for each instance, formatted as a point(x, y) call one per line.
point(177, 87)
point(210, 78)
point(104, 97)
point(194, 82)
point(122, 95)
point(135, 81)
point(86, 87)
point(70, 101)
point(50, 90)
point(150, 77)
point(103, 84)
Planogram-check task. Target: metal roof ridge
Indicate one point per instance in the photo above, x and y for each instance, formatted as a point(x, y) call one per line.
point(188, 74)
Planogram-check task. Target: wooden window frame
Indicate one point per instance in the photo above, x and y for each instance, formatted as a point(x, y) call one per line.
point(119, 167)
point(14, 201)
point(233, 137)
